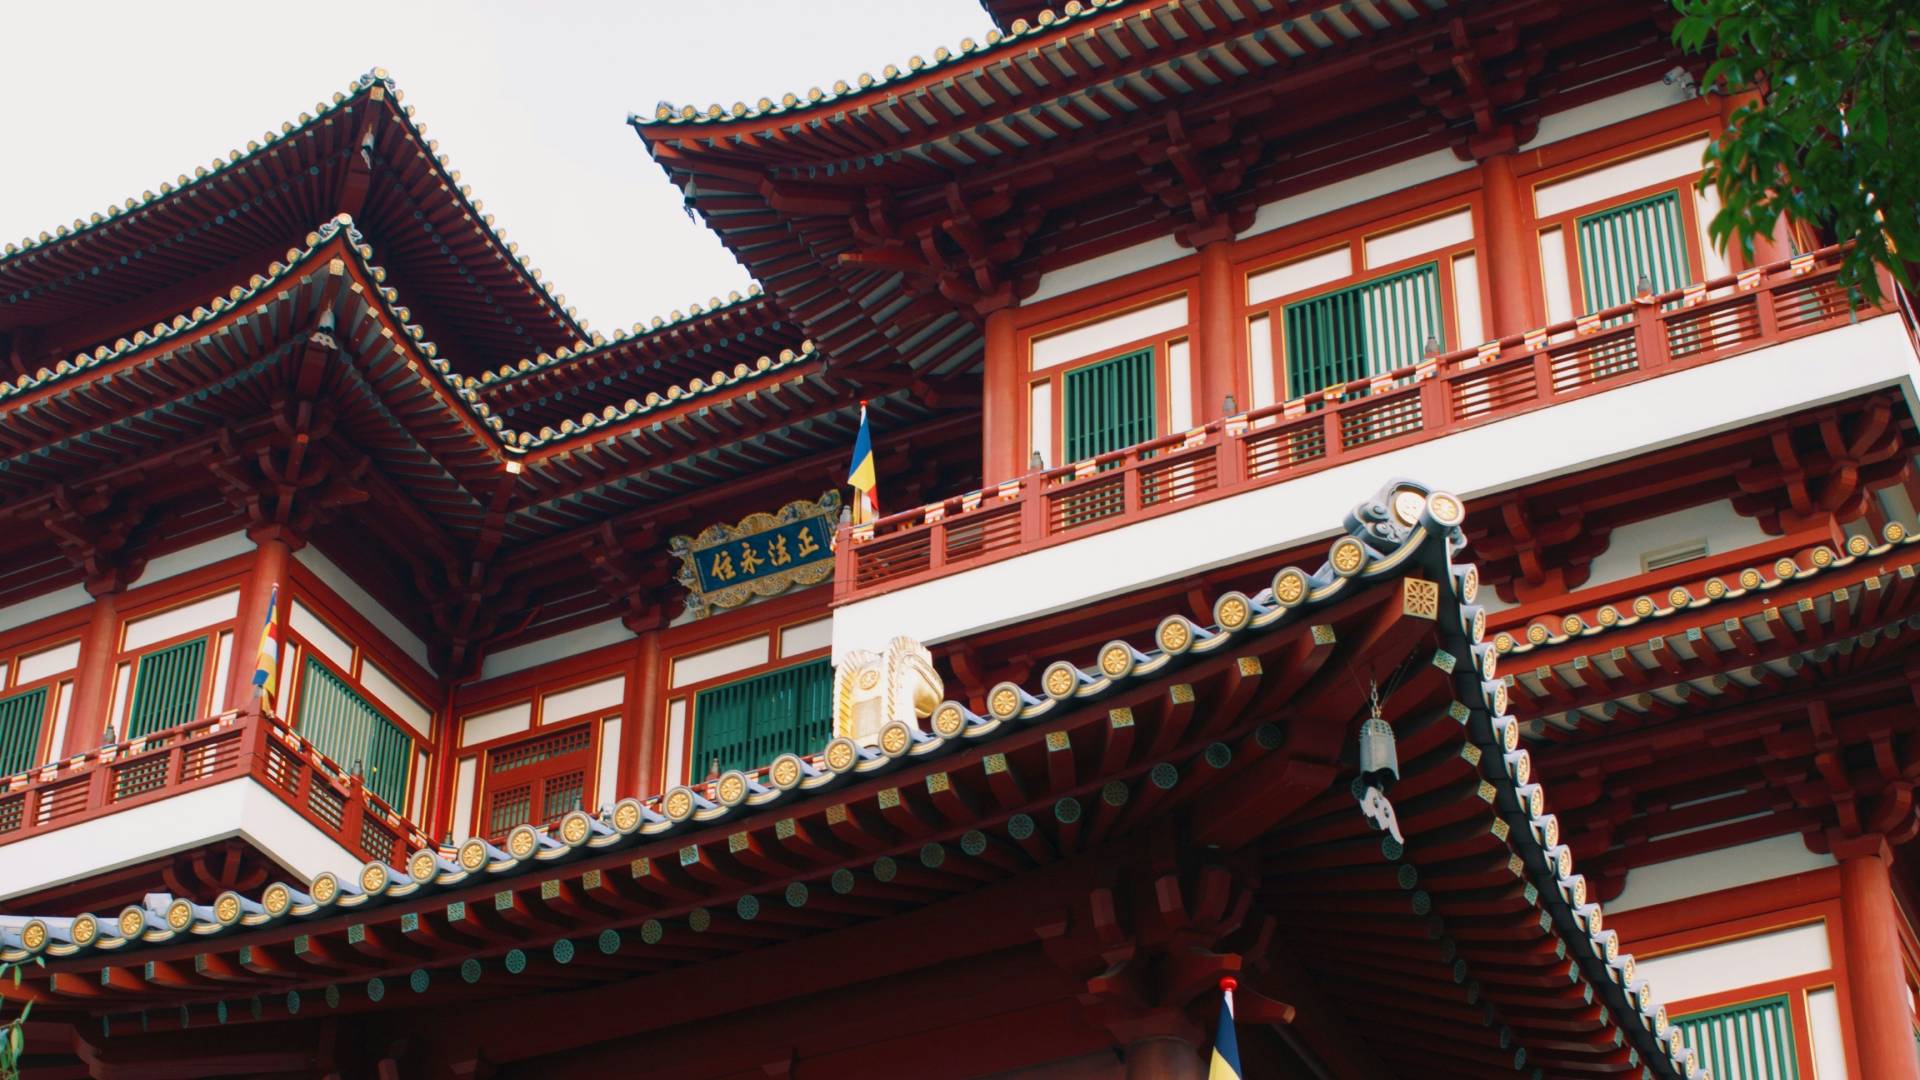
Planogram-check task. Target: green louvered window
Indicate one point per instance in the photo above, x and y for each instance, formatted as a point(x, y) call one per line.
point(1750, 1041)
point(747, 724)
point(1108, 405)
point(1647, 237)
point(344, 726)
point(20, 717)
point(1363, 330)
point(166, 688)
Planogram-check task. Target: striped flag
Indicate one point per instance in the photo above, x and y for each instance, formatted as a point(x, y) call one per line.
point(866, 501)
point(266, 669)
point(1225, 1063)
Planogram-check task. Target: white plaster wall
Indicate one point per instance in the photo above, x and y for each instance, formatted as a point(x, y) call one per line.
point(497, 723)
point(580, 700)
point(363, 602)
point(548, 649)
point(1355, 190)
point(205, 553)
point(1711, 871)
point(1548, 442)
point(238, 807)
point(41, 606)
point(1114, 264)
point(1730, 965)
point(1612, 109)
point(1828, 1041)
point(1718, 523)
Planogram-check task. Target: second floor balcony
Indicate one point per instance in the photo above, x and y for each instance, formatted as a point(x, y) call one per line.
point(1657, 370)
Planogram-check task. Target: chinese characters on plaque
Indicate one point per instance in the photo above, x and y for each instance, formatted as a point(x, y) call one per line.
point(764, 555)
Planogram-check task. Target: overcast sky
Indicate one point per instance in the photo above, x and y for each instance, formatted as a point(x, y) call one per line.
point(100, 101)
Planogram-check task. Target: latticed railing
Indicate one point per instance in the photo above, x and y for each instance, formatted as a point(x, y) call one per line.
point(186, 756)
point(1386, 410)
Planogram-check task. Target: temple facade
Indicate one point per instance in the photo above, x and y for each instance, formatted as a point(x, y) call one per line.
point(1344, 528)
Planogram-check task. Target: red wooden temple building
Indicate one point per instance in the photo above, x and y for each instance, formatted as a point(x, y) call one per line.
point(1346, 530)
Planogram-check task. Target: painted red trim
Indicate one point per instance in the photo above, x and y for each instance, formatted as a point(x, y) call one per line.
point(910, 547)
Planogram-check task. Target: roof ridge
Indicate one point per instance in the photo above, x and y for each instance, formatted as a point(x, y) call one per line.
point(202, 174)
point(464, 388)
point(597, 342)
point(1046, 20)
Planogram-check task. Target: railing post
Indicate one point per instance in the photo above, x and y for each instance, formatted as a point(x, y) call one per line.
point(353, 812)
point(937, 543)
point(1230, 457)
point(1767, 317)
point(1650, 337)
point(1330, 428)
point(1130, 484)
point(1542, 372)
point(1435, 415)
point(99, 786)
point(1033, 507)
point(843, 563)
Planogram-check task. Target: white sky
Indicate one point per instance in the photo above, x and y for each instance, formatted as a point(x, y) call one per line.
point(100, 101)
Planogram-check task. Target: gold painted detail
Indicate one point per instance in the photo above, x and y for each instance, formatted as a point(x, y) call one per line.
point(1643, 606)
point(373, 878)
point(785, 772)
point(764, 555)
point(277, 899)
point(1348, 556)
point(1174, 634)
point(575, 829)
point(1057, 741)
point(949, 721)
point(324, 888)
point(422, 866)
point(731, 789)
point(1609, 615)
point(34, 935)
point(895, 739)
point(132, 922)
point(1420, 598)
point(626, 816)
point(1571, 625)
point(180, 914)
point(473, 854)
point(1290, 585)
point(840, 755)
point(678, 805)
point(1060, 679)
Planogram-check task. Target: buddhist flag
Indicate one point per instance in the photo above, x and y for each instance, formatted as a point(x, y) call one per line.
point(866, 501)
point(1225, 1064)
point(266, 669)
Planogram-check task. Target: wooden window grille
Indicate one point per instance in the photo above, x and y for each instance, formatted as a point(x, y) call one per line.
point(1363, 330)
point(1753, 1040)
point(1645, 238)
point(166, 688)
point(345, 727)
point(505, 809)
point(1109, 405)
point(748, 723)
point(20, 718)
point(538, 781)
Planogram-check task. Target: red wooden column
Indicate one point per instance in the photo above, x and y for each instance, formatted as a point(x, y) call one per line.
point(273, 546)
point(1002, 441)
point(93, 682)
point(1876, 983)
point(1511, 256)
point(1216, 337)
point(639, 769)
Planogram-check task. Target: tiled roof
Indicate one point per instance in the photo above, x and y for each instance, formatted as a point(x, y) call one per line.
point(600, 342)
point(1405, 532)
point(302, 260)
point(258, 163)
point(1073, 13)
point(1601, 620)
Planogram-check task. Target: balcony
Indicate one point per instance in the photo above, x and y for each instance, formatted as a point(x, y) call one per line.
point(1429, 421)
point(233, 774)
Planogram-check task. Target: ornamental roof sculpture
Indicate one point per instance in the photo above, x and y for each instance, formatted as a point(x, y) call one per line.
point(1396, 554)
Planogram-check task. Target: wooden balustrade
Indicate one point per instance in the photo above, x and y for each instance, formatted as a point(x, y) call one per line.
point(1593, 354)
point(178, 760)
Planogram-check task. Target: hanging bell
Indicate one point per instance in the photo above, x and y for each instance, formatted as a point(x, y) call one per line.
point(1379, 758)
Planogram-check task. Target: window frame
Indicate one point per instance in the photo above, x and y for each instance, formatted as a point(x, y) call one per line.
point(59, 685)
point(1354, 241)
point(296, 703)
point(222, 637)
point(1091, 313)
point(583, 759)
point(693, 707)
point(365, 643)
